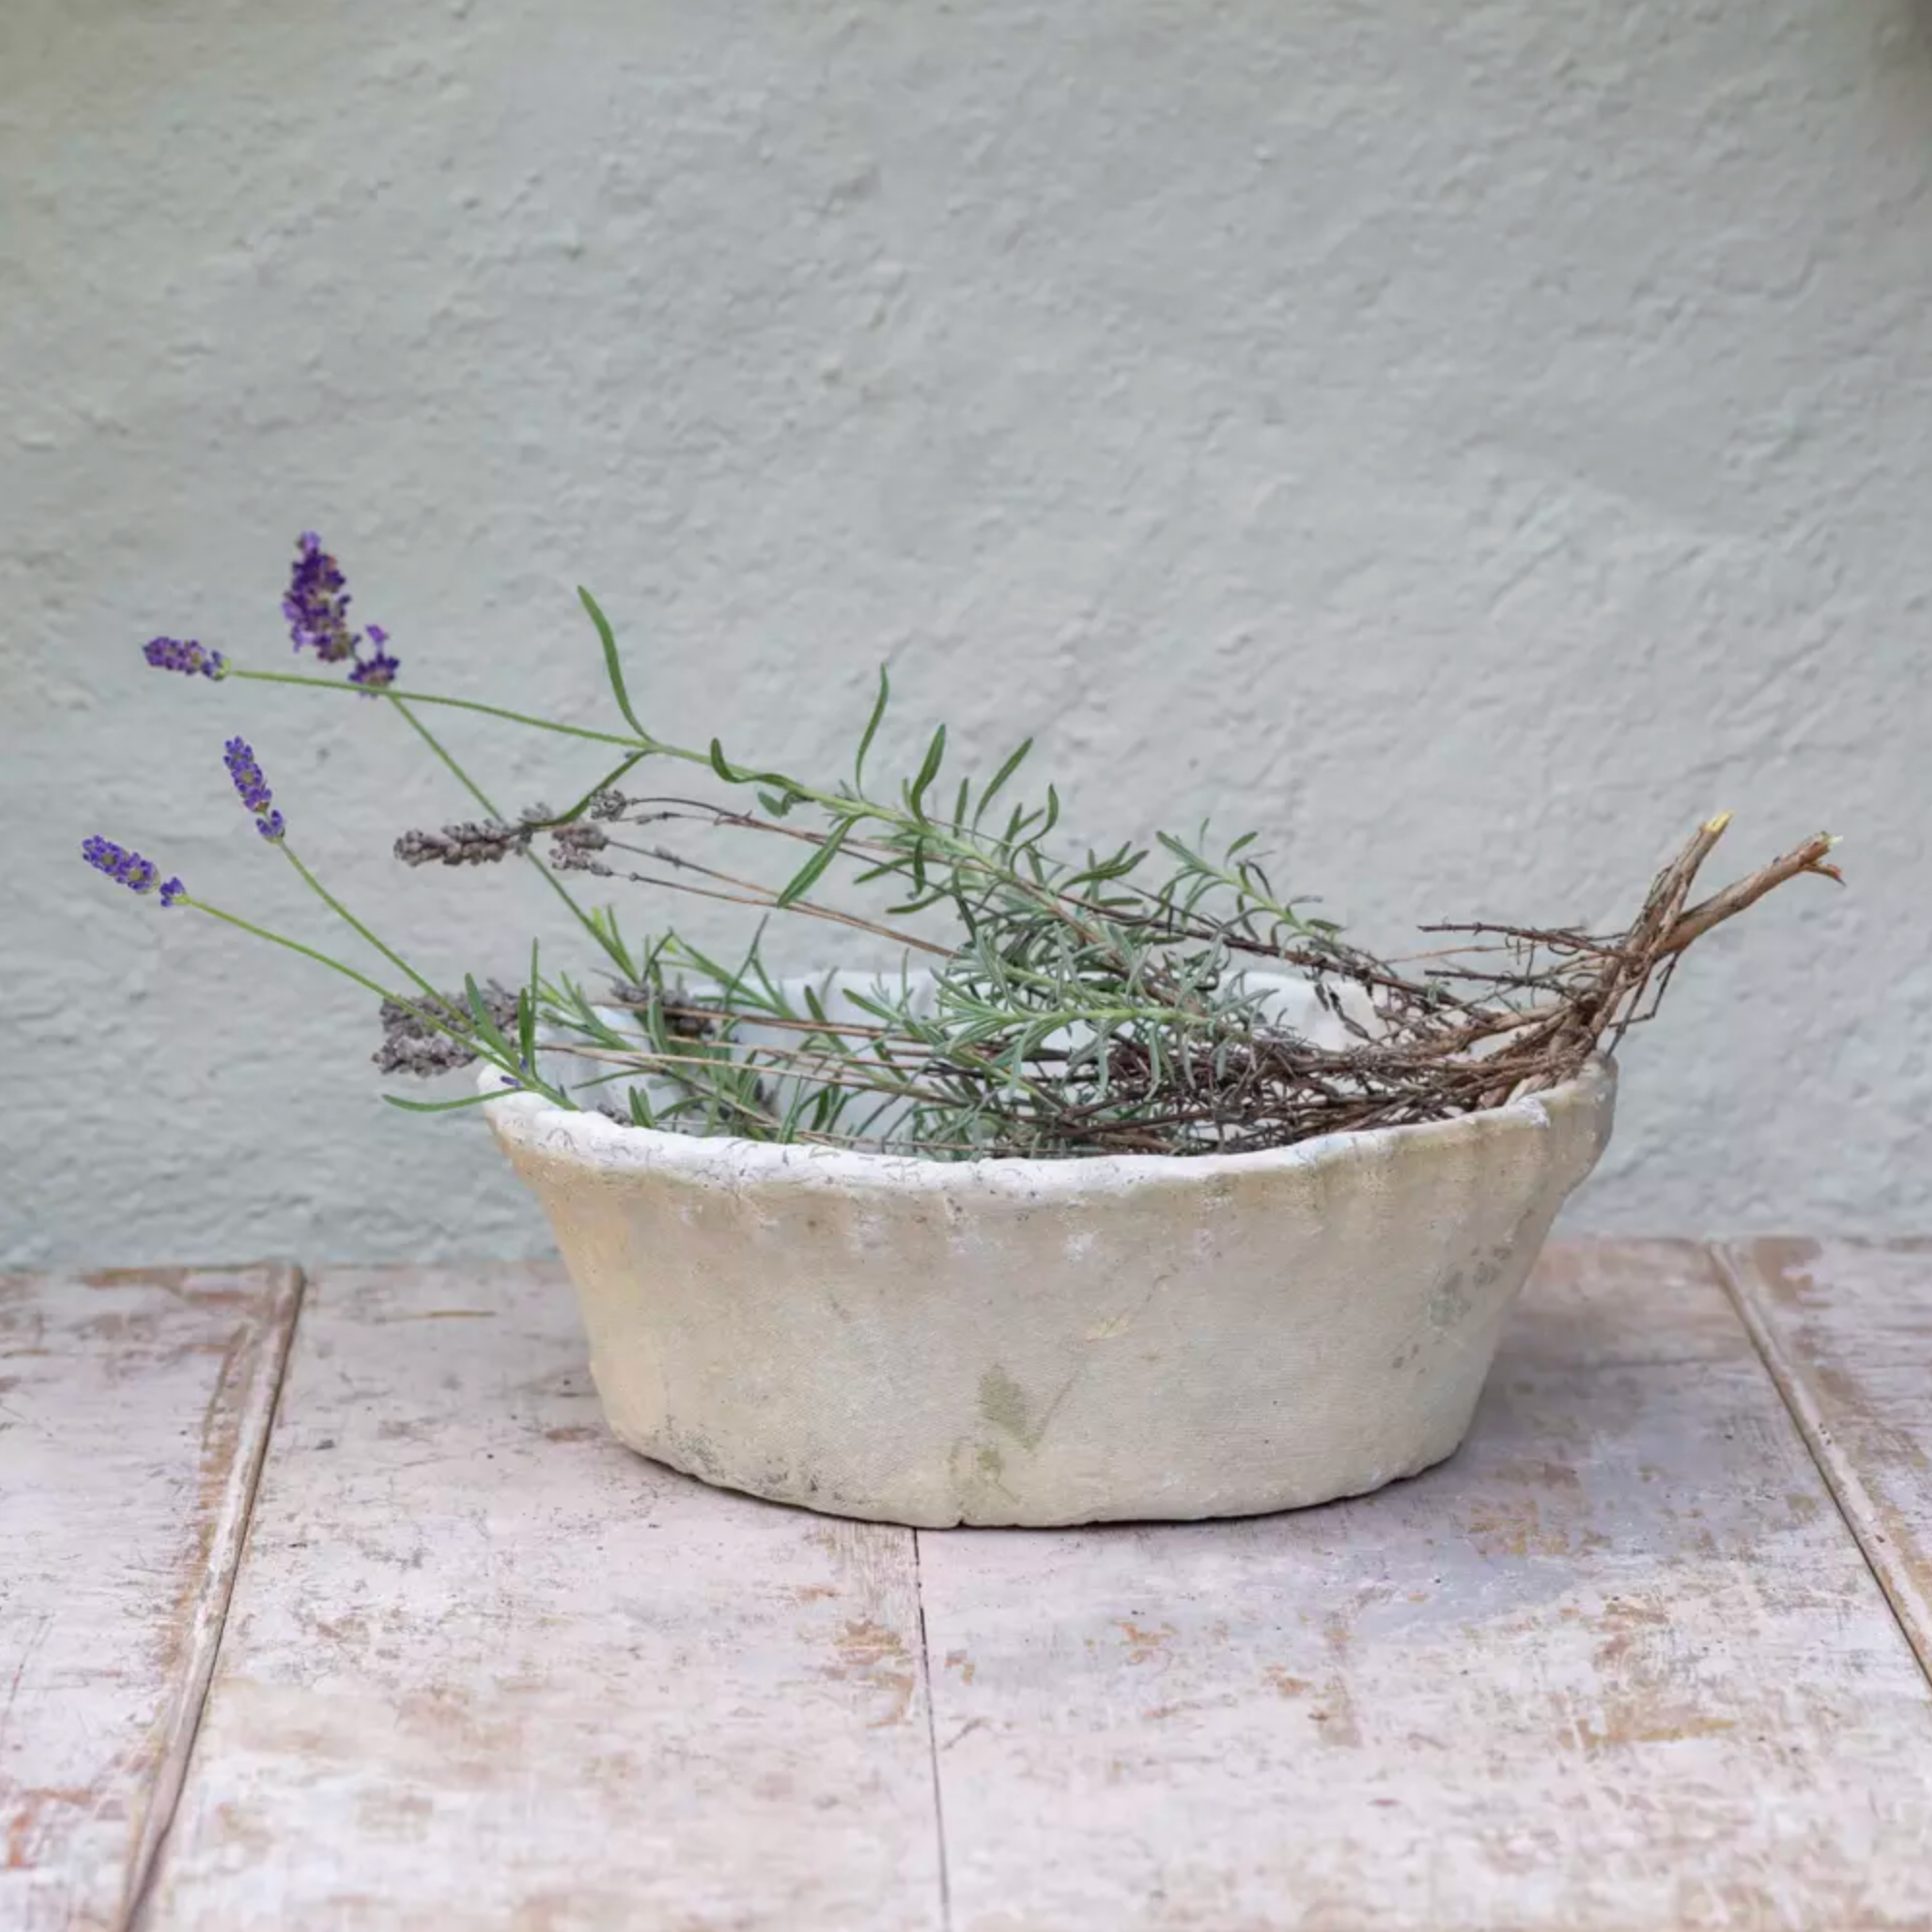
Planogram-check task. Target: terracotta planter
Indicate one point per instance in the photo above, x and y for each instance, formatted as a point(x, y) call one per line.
point(1044, 1342)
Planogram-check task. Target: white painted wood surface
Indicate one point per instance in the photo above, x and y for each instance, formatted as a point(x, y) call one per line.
point(1621, 1664)
point(487, 1668)
point(1845, 1329)
point(134, 1407)
point(1618, 1666)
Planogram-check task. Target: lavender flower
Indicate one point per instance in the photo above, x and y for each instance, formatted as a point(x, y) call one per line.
point(317, 608)
point(571, 846)
point(409, 1047)
point(317, 602)
point(172, 654)
point(129, 868)
point(377, 672)
point(240, 758)
point(473, 842)
point(242, 768)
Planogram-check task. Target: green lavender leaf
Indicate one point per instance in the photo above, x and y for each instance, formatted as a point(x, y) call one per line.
point(814, 869)
point(935, 755)
point(1014, 760)
point(613, 665)
point(440, 1105)
point(872, 725)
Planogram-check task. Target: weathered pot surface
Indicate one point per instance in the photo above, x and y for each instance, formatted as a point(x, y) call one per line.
point(1037, 1342)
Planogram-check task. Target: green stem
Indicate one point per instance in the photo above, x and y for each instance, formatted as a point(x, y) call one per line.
point(833, 801)
point(456, 771)
point(471, 705)
point(959, 849)
point(294, 946)
point(355, 924)
point(524, 1076)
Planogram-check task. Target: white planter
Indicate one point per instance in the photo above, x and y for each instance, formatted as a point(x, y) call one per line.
point(1040, 1342)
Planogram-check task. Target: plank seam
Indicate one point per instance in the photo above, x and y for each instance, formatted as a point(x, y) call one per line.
point(225, 1558)
point(1854, 1503)
point(932, 1742)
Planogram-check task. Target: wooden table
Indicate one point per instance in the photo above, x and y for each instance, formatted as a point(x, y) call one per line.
point(329, 1603)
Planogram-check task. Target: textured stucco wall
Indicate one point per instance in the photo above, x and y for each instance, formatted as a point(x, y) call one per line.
point(1467, 442)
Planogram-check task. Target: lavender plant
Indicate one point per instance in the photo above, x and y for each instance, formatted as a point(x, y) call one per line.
point(1041, 1001)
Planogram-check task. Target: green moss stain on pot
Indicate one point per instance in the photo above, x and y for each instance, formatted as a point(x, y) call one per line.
point(977, 1474)
point(1449, 1303)
point(1003, 1403)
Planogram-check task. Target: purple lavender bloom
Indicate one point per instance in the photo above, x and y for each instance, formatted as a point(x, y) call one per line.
point(317, 608)
point(377, 672)
point(172, 654)
point(105, 856)
point(317, 602)
point(128, 868)
point(239, 756)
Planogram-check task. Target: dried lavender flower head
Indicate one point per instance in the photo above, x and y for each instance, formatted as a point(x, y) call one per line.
point(572, 847)
point(409, 1047)
point(475, 842)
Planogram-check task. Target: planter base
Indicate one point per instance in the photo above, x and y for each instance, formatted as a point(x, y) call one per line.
point(986, 1502)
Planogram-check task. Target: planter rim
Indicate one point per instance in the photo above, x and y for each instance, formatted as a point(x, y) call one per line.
point(597, 1142)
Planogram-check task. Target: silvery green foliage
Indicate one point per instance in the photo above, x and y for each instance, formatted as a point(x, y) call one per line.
point(1060, 1006)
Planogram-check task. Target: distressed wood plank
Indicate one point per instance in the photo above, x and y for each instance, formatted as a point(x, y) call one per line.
point(1846, 1329)
point(1618, 1664)
point(134, 1407)
point(486, 1667)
